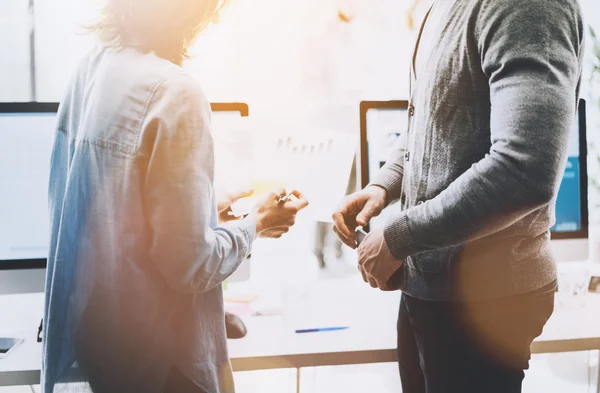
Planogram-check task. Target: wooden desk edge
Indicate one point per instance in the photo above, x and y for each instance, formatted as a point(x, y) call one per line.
point(566, 345)
point(385, 356)
point(313, 360)
point(255, 363)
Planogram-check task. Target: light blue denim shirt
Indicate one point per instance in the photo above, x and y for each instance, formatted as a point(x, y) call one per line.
point(137, 256)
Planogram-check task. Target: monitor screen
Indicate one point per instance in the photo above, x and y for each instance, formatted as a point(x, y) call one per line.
point(568, 202)
point(25, 150)
point(385, 125)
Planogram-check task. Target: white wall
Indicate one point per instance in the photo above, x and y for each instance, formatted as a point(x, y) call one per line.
point(60, 43)
point(300, 53)
point(263, 51)
point(591, 93)
point(14, 50)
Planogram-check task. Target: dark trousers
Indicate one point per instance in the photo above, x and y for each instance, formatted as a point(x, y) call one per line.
point(179, 383)
point(469, 347)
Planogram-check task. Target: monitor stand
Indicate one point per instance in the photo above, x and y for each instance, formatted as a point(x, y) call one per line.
point(22, 281)
point(570, 250)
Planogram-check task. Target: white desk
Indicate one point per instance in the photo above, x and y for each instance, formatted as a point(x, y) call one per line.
point(371, 338)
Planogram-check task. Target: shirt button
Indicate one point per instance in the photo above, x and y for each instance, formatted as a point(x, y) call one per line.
point(411, 110)
point(407, 156)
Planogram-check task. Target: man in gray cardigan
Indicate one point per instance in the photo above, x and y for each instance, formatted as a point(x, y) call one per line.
point(495, 86)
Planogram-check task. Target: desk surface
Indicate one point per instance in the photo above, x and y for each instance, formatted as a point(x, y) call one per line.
point(271, 343)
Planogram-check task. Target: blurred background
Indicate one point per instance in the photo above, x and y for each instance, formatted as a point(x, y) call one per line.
point(300, 66)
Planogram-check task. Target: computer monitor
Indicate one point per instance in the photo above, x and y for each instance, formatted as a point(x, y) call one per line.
point(26, 136)
point(27, 133)
point(570, 233)
point(383, 122)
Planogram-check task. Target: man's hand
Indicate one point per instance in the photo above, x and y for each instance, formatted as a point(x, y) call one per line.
point(376, 263)
point(274, 217)
point(224, 206)
point(357, 210)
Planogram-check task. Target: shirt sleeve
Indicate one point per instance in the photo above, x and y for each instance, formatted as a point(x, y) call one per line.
point(192, 255)
point(531, 54)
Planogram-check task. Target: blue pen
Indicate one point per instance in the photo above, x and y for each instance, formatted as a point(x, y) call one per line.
point(325, 329)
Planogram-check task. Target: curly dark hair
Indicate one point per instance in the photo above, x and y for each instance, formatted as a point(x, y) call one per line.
point(165, 27)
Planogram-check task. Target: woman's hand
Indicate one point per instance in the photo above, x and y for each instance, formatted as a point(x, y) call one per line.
point(224, 206)
point(274, 217)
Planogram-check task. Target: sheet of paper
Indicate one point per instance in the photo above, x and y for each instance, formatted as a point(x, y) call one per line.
point(255, 154)
point(316, 164)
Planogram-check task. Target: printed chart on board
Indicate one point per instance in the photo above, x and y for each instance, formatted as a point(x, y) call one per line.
point(317, 164)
